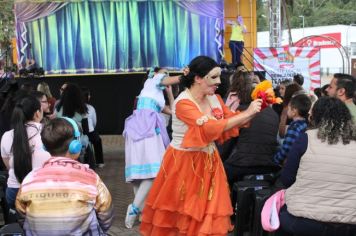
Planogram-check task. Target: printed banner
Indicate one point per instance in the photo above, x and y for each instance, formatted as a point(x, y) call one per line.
point(331, 40)
point(283, 63)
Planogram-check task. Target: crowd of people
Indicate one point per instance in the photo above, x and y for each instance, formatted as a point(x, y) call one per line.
point(182, 174)
point(45, 149)
point(187, 194)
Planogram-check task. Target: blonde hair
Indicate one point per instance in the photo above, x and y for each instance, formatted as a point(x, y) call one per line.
point(44, 88)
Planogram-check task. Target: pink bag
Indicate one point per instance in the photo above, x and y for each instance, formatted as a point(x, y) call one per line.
point(270, 212)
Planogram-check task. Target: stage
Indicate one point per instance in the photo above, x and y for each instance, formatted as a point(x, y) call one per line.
point(118, 36)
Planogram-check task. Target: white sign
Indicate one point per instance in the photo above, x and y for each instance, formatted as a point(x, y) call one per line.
point(283, 63)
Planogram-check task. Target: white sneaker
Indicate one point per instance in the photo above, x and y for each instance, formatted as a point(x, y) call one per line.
point(101, 165)
point(131, 215)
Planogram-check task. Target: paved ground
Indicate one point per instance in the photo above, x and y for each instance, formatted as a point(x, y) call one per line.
point(113, 176)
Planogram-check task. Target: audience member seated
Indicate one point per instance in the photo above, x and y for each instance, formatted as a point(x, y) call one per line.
point(64, 197)
point(61, 90)
point(235, 68)
point(42, 98)
point(225, 83)
point(28, 87)
point(255, 80)
point(280, 92)
point(44, 88)
point(21, 147)
point(320, 171)
point(343, 87)
point(298, 110)
point(9, 95)
point(287, 95)
point(253, 151)
point(324, 91)
point(72, 105)
point(8, 98)
point(298, 79)
point(283, 86)
point(232, 100)
point(317, 92)
point(93, 135)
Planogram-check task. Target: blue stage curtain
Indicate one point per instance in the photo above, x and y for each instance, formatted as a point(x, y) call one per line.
point(115, 36)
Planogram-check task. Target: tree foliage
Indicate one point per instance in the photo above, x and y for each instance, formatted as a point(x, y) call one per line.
point(261, 16)
point(315, 12)
point(7, 25)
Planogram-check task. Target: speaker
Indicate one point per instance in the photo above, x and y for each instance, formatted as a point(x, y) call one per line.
point(243, 198)
point(75, 145)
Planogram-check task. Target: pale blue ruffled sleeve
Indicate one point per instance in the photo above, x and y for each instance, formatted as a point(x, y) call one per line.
point(159, 85)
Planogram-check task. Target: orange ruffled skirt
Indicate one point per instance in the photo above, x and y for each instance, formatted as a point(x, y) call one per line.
point(190, 196)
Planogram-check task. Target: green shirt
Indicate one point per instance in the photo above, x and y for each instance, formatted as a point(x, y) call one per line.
point(352, 108)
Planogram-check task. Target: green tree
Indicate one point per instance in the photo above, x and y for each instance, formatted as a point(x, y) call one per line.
point(315, 12)
point(262, 24)
point(7, 25)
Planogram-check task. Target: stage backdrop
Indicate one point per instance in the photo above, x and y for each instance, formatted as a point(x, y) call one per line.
point(282, 63)
point(93, 36)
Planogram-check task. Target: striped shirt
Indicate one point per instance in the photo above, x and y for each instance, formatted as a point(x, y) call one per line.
point(294, 130)
point(64, 197)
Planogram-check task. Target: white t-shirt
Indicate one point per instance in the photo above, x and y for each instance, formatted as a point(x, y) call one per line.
point(39, 155)
point(91, 118)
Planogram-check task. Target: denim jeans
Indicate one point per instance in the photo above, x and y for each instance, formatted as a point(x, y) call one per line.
point(236, 48)
point(95, 139)
point(11, 196)
point(292, 225)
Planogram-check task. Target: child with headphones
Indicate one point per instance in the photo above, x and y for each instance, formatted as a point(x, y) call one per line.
point(64, 197)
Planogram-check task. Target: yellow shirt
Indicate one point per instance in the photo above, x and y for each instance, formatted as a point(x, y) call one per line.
point(237, 33)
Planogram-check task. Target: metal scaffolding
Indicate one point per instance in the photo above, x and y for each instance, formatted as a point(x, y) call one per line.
point(275, 27)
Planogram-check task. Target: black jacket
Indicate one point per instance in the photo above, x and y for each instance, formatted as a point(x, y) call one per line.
point(257, 144)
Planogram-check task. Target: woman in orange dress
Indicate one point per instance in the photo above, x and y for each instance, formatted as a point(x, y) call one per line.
point(190, 195)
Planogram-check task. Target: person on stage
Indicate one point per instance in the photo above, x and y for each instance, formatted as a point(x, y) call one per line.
point(236, 44)
point(190, 195)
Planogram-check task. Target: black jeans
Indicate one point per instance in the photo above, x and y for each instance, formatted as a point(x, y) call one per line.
point(292, 225)
point(236, 48)
point(95, 139)
point(236, 173)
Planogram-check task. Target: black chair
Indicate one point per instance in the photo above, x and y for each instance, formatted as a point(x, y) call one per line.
point(260, 198)
point(243, 194)
point(3, 185)
point(9, 215)
point(13, 229)
point(270, 177)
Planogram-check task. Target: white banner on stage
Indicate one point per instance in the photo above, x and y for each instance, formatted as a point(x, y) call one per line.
point(284, 62)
